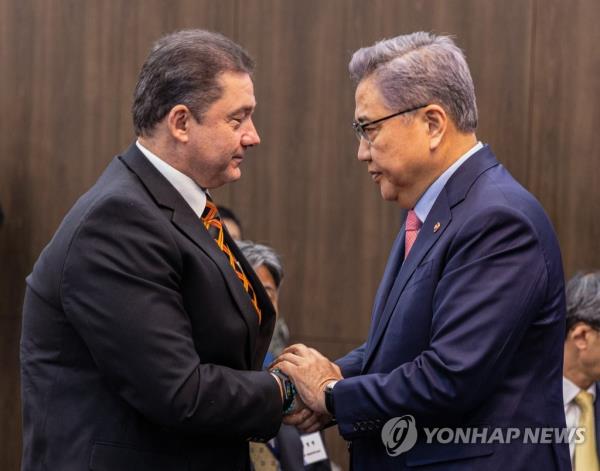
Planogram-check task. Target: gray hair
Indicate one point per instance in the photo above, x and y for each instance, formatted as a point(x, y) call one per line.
point(419, 69)
point(583, 300)
point(258, 254)
point(183, 68)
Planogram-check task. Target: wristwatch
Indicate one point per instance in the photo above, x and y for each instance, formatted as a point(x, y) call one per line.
point(289, 391)
point(329, 397)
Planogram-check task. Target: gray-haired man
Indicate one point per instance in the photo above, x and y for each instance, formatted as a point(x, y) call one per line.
point(468, 322)
point(581, 369)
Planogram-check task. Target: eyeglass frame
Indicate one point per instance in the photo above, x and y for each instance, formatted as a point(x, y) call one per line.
point(361, 132)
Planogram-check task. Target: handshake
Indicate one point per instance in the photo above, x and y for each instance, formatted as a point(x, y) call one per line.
point(310, 372)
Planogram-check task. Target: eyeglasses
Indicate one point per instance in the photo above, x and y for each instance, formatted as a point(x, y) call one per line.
point(361, 128)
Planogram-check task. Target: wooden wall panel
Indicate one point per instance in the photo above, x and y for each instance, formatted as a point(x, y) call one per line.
point(67, 72)
point(564, 161)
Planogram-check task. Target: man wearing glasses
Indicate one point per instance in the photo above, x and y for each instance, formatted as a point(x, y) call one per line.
point(469, 318)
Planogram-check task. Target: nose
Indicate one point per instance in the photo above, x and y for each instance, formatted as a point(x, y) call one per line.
point(364, 151)
point(250, 137)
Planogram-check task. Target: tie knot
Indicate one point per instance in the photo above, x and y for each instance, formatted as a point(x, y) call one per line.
point(412, 221)
point(210, 211)
point(585, 400)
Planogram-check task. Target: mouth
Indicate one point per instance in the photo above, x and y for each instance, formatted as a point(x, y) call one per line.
point(238, 159)
point(376, 176)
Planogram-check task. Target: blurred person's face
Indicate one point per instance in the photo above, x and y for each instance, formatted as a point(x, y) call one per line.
point(269, 284)
point(586, 339)
point(234, 230)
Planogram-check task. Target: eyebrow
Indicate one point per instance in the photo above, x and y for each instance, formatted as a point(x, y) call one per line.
point(362, 119)
point(243, 109)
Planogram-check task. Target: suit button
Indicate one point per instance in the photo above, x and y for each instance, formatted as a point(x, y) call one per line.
point(355, 427)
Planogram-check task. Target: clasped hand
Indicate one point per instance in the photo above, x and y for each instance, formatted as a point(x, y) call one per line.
point(310, 372)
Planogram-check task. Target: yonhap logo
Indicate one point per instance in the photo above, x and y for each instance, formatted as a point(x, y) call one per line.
point(399, 434)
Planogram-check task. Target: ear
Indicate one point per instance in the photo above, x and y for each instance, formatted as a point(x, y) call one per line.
point(179, 121)
point(579, 335)
point(437, 123)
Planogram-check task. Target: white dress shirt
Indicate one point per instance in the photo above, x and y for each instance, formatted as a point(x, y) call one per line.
point(572, 410)
point(193, 194)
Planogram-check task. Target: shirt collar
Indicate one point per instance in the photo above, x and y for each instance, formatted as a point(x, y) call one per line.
point(426, 201)
point(185, 186)
point(570, 390)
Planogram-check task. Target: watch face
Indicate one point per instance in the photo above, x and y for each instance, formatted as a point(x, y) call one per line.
point(329, 399)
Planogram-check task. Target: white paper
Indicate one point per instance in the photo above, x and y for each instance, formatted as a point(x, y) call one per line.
point(314, 449)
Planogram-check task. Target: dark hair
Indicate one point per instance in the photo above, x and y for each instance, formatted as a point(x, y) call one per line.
point(583, 300)
point(183, 68)
point(227, 213)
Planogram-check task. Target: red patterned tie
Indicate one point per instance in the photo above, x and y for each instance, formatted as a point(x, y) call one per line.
point(412, 226)
point(212, 222)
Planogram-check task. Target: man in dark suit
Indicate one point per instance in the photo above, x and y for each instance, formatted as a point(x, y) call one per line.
point(581, 369)
point(468, 321)
point(144, 328)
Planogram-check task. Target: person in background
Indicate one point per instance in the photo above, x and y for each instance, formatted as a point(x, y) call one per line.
point(286, 449)
point(232, 222)
point(581, 367)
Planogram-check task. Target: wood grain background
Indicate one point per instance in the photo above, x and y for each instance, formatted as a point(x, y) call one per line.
point(67, 72)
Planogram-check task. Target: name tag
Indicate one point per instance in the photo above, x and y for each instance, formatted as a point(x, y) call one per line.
point(314, 449)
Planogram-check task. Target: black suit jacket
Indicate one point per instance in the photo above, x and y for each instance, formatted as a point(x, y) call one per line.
point(140, 348)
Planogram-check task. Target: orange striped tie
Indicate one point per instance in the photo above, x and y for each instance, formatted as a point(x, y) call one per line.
point(213, 224)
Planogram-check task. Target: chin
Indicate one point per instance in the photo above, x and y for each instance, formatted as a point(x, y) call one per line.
point(234, 174)
point(389, 194)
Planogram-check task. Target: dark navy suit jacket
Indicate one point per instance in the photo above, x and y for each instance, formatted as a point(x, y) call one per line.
point(467, 331)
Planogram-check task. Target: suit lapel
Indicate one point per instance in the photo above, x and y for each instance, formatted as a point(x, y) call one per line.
point(395, 260)
point(452, 194)
point(440, 213)
point(186, 221)
point(267, 325)
point(392, 267)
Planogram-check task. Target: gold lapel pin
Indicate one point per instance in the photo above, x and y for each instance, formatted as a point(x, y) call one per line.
point(436, 227)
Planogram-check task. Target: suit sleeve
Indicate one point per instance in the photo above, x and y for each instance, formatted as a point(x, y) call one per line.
point(492, 285)
point(120, 290)
point(351, 364)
